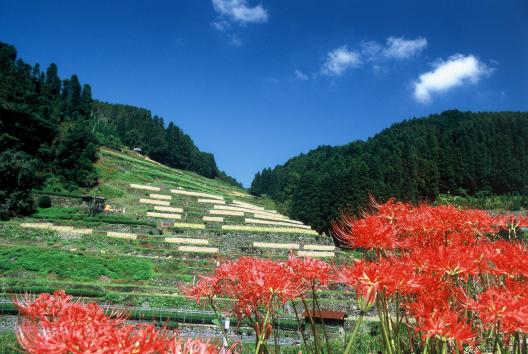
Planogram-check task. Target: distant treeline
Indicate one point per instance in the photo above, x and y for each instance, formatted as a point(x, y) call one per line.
point(117, 124)
point(50, 129)
point(459, 153)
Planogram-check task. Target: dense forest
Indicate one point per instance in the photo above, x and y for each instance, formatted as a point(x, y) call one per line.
point(50, 129)
point(456, 153)
point(44, 132)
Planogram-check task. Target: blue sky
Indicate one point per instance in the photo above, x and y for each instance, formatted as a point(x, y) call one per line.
point(257, 82)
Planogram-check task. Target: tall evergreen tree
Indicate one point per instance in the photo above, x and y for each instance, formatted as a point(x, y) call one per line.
point(53, 81)
point(75, 94)
point(86, 100)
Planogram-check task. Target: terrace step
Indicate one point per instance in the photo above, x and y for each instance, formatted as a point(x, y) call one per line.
point(154, 201)
point(160, 196)
point(166, 208)
point(145, 187)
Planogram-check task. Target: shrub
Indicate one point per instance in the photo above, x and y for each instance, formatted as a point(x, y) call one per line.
point(44, 201)
point(17, 179)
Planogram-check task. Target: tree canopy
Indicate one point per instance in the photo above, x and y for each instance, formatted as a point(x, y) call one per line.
point(455, 152)
point(44, 135)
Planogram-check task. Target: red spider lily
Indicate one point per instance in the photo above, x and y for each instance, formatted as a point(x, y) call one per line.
point(309, 272)
point(254, 283)
point(366, 279)
point(435, 296)
point(507, 258)
point(206, 287)
point(194, 346)
point(503, 308)
point(403, 278)
point(398, 225)
point(45, 305)
point(369, 278)
point(371, 232)
point(444, 262)
point(80, 328)
point(512, 223)
point(66, 327)
point(446, 326)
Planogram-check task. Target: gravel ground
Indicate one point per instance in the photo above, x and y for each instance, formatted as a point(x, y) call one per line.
point(7, 323)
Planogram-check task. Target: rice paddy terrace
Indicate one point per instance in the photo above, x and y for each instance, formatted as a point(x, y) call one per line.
point(160, 228)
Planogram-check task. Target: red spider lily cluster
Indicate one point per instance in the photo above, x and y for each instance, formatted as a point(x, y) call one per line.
point(259, 287)
point(441, 279)
point(254, 283)
point(55, 324)
point(447, 273)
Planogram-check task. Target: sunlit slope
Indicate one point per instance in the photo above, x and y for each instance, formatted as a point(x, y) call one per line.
point(162, 212)
point(137, 187)
point(161, 227)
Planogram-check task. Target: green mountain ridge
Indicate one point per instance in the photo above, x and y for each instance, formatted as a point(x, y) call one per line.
point(460, 153)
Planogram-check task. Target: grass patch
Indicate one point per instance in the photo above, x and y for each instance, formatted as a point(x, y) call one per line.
point(8, 343)
point(69, 265)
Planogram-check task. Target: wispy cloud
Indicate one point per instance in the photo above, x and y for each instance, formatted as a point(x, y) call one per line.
point(299, 75)
point(373, 53)
point(401, 48)
point(235, 40)
point(394, 48)
point(239, 11)
point(339, 60)
point(457, 70)
point(233, 14)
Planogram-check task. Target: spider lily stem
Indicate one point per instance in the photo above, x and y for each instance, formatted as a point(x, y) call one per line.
point(444, 346)
point(426, 345)
point(327, 343)
point(262, 334)
point(312, 325)
point(301, 332)
point(222, 329)
point(384, 330)
point(352, 339)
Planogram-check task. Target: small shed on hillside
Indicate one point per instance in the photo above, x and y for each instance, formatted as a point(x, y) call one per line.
point(332, 318)
point(95, 204)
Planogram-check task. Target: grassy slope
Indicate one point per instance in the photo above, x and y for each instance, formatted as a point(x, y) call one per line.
point(128, 272)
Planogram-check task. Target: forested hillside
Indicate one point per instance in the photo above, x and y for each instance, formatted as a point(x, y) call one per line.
point(50, 129)
point(117, 124)
point(455, 152)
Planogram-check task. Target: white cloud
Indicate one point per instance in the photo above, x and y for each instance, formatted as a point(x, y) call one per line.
point(395, 48)
point(299, 75)
point(401, 48)
point(339, 60)
point(239, 11)
point(457, 70)
point(372, 53)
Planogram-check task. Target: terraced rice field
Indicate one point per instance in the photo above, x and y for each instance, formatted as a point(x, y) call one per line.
point(162, 229)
